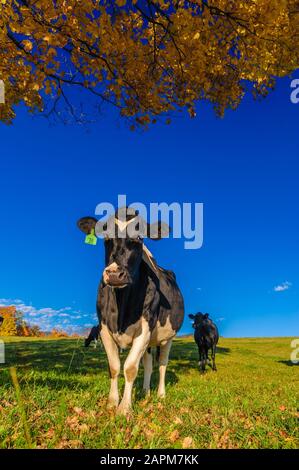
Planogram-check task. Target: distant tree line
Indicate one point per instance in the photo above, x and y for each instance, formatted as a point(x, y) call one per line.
point(14, 324)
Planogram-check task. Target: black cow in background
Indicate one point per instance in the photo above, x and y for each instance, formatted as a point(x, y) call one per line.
point(1, 320)
point(206, 337)
point(93, 336)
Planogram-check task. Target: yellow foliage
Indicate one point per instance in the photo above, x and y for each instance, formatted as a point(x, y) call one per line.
point(146, 61)
point(9, 325)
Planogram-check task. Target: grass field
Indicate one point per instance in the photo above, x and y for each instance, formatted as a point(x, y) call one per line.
point(251, 402)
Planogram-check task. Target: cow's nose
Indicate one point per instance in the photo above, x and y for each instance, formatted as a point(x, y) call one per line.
point(114, 275)
point(112, 268)
point(118, 274)
point(117, 278)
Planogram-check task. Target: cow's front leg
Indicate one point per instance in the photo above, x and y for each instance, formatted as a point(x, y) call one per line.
point(131, 366)
point(163, 361)
point(114, 365)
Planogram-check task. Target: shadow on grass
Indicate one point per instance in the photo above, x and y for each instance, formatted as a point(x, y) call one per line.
point(66, 363)
point(63, 355)
point(61, 364)
point(185, 355)
point(288, 363)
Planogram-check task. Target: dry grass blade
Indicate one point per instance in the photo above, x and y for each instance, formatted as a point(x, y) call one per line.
point(21, 408)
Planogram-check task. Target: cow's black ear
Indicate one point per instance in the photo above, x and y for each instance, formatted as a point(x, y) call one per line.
point(86, 224)
point(191, 316)
point(158, 230)
point(206, 315)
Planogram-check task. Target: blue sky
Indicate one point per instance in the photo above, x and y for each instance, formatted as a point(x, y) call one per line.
point(244, 168)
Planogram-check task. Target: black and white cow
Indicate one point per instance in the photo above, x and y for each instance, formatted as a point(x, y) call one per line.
point(139, 305)
point(206, 337)
point(93, 336)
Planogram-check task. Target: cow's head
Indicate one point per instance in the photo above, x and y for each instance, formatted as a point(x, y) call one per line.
point(123, 239)
point(198, 319)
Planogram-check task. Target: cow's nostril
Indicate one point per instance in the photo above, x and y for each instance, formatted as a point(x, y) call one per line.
point(121, 275)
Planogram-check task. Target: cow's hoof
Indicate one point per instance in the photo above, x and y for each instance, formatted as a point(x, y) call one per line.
point(161, 395)
point(124, 411)
point(112, 404)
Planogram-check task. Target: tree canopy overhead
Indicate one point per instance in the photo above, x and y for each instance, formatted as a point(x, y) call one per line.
point(145, 57)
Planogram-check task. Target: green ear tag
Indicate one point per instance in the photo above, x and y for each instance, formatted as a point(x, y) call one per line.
point(91, 239)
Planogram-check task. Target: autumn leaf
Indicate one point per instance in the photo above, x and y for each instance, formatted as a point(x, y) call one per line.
point(174, 436)
point(70, 444)
point(78, 411)
point(27, 45)
point(178, 420)
point(83, 428)
point(50, 433)
point(187, 443)
point(72, 422)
